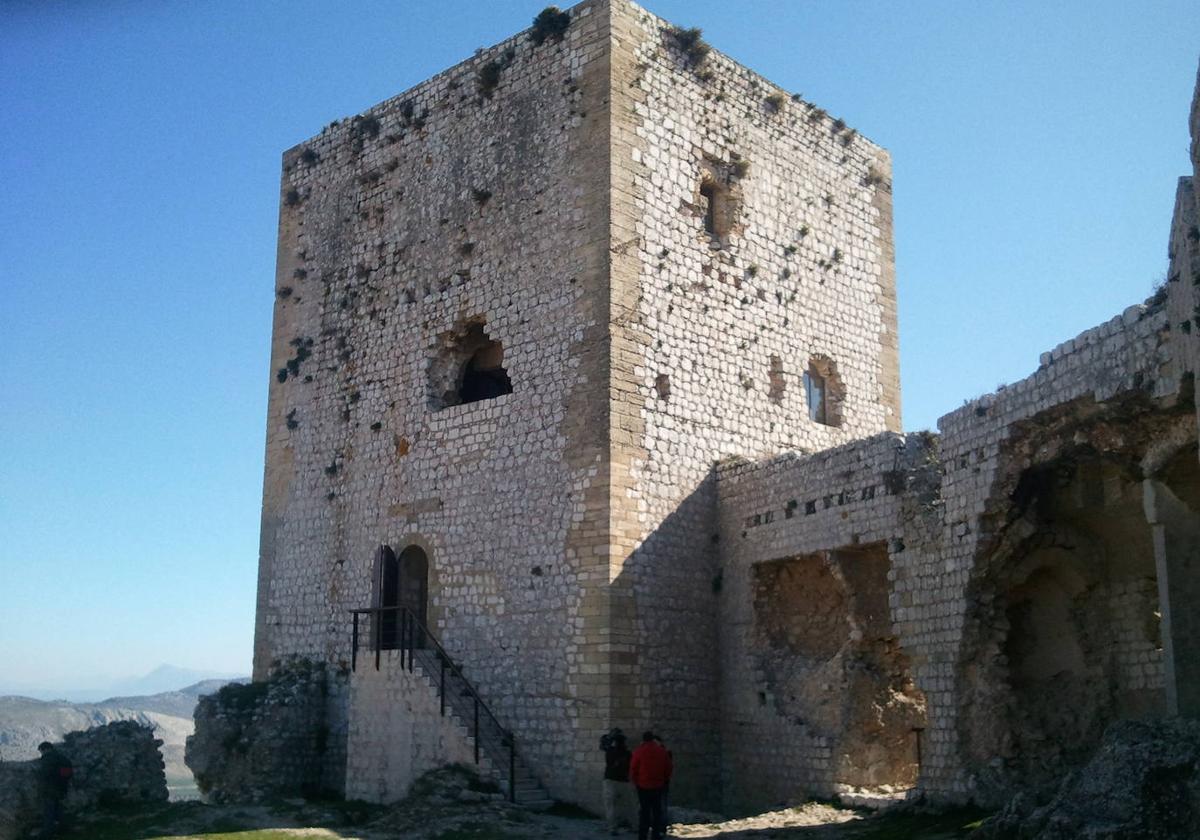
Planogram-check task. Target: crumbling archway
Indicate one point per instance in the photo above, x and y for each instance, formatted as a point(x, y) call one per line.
point(1063, 634)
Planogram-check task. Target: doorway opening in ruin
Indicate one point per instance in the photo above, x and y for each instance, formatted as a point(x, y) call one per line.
point(1067, 633)
point(403, 582)
point(833, 666)
point(468, 368)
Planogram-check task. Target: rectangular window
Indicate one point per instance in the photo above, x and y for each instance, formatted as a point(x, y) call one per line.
point(814, 388)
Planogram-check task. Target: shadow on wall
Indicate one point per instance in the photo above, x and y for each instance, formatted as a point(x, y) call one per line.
point(664, 601)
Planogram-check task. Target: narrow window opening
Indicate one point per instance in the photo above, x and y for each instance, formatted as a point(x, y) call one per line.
point(814, 387)
point(823, 392)
point(708, 203)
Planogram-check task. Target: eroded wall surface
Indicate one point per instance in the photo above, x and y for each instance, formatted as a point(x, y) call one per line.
point(1022, 580)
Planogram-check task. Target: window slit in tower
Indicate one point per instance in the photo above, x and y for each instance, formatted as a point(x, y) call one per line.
point(708, 195)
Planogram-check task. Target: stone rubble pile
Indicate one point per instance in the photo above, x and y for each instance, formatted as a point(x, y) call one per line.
point(1142, 784)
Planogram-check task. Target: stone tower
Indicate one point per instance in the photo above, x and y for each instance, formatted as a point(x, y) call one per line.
point(522, 311)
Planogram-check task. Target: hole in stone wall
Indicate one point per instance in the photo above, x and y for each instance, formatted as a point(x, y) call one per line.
point(825, 646)
point(824, 391)
point(708, 204)
point(468, 368)
point(662, 384)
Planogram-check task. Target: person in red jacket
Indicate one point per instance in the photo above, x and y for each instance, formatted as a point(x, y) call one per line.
point(650, 771)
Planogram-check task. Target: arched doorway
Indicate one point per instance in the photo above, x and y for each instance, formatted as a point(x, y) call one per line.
point(402, 582)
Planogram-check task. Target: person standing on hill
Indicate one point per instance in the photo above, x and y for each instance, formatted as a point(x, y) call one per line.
point(650, 771)
point(616, 778)
point(54, 778)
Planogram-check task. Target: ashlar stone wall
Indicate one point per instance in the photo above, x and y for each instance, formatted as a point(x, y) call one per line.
point(476, 201)
point(542, 202)
point(398, 732)
point(751, 239)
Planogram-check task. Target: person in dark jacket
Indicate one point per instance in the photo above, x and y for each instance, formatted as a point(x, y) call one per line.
point(54, 778)
point(650, 771)
point(616, 778)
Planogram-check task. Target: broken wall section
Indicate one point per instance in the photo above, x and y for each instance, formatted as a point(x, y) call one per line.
point(116, 764)
point(284, 736)
point(820, 693)
point(1103, 391)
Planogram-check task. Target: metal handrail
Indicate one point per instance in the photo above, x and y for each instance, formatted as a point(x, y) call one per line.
point(409, 627)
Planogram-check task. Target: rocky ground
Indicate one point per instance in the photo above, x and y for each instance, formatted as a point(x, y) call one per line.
point(453, 805)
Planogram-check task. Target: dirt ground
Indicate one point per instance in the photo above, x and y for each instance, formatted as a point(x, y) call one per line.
point(491, 820)
point(454, 804)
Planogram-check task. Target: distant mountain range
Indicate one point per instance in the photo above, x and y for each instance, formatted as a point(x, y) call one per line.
point(164, 678)
point(26, 722)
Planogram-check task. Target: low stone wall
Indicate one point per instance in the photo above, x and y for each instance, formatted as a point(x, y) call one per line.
point(114, 764)
point(398, 732)
point(260, 740)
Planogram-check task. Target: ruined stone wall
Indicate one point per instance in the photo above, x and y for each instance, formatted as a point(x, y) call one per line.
point(792, 702)
point(476, 200)
point(115, 764)
point(1095, 396)
point(397, 732)
point(1021, 579)
point(714, 330)
point(283, 736)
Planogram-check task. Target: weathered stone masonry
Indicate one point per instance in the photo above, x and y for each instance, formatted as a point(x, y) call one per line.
point(547, 322)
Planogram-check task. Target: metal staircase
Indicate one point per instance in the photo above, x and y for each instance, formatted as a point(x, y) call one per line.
point(397, 628)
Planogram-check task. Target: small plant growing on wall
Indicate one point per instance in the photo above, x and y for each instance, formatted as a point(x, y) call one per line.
point(303, 348)
point(292, 198)
point(550, 22)
point(488, 78)
point(691, 43)
point(738, 166)
point(481, 196)
point(308, 157)
point(363, 129)
point(774, 103)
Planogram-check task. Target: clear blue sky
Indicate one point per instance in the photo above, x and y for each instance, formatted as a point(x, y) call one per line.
point(1035, 145)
